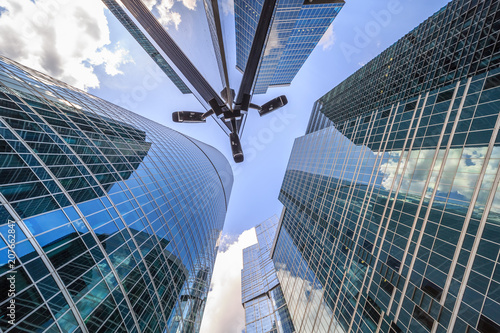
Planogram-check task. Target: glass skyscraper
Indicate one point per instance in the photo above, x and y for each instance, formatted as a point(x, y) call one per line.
point(262, 298)
point(115, 219)
point(392, 200)
point(296, 28)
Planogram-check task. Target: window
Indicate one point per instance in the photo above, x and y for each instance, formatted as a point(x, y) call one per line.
point(387, 286)
point(445, 95)
point(492, 81)
point(410, 106)
point(393, 263)
point(431, 289)
point(394, 328)
point(423, 317)
point(372, 310)
point(486, 325)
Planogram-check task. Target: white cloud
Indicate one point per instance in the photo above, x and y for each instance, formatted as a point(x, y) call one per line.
point(63, 38)
point(189, 4)
point(272, 42)
point(165, 13)
point(307, 300)
point(328, 39)
point(224, 312)
point(149, 3)
point(167, 16)
point(228, 7)
point(111, 60)
point(460, 172)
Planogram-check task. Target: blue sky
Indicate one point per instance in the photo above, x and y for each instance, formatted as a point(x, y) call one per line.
point(81, 43)
point(362, 30)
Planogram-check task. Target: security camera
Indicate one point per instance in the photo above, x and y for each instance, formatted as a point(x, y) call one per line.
point(236, 147)
point(188, 117)
point(273, 105)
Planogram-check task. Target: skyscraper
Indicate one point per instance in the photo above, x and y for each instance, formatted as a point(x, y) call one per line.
point(262, 298)
point(115, 219)
point(391, 219)
point(296, 29)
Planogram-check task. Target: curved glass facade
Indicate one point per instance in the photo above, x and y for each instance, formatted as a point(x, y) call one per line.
point(115, 219)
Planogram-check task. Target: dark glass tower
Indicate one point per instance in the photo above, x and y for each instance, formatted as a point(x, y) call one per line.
point(296, 29)
point(117, 218)
point(392, 199)
point(265, 306)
